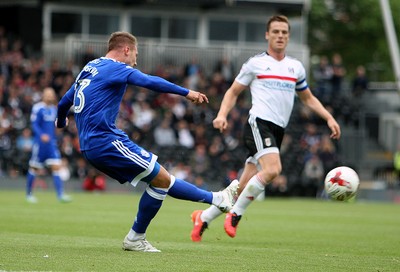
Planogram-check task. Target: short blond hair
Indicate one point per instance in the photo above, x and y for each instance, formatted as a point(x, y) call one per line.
point(120, 38)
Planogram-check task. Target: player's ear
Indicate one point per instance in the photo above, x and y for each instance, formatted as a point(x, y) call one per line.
point(126, 49)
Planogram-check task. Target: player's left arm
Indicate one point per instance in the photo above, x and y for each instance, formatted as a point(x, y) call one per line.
point(161, 85)
point(314, 104)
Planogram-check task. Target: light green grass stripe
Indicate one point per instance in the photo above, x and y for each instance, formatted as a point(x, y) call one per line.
point(274, 235)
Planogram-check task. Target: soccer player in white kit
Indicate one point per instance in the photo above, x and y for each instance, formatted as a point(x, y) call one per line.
point(274, 79)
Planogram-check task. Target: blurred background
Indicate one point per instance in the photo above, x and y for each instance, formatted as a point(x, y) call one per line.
point(346, 46)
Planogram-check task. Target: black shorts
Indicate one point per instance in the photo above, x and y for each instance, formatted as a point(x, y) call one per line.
point(261, 137)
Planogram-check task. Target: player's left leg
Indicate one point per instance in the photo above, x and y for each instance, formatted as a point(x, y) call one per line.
point(184, 190)
point(58, 182)
point(202, 219)
point(270, 168)
point(30, 179)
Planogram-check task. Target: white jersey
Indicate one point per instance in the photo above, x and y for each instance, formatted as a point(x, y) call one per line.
point(273, 85)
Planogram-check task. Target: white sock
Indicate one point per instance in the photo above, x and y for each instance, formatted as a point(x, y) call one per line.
point(134, 236)
point(253, 189)
point(210, 214)
point(217, 198)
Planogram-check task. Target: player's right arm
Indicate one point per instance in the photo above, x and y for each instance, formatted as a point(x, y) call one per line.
point(63, 107)
point(228, 102)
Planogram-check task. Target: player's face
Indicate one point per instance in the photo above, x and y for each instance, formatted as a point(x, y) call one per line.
point(278, 36)
point(132, 57)
point(49, 97)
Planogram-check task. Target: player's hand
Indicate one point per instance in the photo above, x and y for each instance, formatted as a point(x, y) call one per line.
point(335, 128)
point(45, 138)
point(61, 125)
point(196, 97)
point(220, 123)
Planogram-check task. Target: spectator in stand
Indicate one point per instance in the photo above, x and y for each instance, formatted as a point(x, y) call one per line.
point(87, 56)
point(322, 74)
point(310, 137)
point(181, 171)
point(80, 169)
point(24, 148)
point(338, 73)
point(327, 153)
point(200, 183)
point(164, 135)
point(199, 161)
point(226, 69)
point(192, 73)
point(360, 82)
point(185, 136)
point(358, 88)
point(313, 175)
point(94, 181)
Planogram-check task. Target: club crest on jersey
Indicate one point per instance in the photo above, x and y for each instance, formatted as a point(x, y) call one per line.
point(144, 153)
point(267, 141)
point(268, 69)
point(291, 70)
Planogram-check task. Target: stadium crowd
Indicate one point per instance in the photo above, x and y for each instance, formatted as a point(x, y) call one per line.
point(180, 133)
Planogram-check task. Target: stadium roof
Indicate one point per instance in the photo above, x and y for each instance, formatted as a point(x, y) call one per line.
point(205, 4)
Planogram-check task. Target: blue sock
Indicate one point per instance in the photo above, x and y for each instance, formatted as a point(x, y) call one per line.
point(184, 190)
point(30, 178)
point(58, 184)
point(149, 204)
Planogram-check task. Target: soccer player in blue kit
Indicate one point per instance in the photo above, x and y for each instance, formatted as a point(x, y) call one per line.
point(96, 96)
point(45, 152)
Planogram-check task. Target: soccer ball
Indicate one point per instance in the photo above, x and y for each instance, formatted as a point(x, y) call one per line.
point(341, 183)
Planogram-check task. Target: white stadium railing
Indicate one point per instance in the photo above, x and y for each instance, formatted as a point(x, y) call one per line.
point(153, 52)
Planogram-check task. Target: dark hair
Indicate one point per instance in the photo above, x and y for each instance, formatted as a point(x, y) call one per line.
point(278, 18)
point(120, 38)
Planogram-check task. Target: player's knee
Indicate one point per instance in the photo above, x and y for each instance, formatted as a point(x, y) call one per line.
point(162, 180)
point(269, 174)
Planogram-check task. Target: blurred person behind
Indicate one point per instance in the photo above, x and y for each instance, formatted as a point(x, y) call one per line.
point(45, 151)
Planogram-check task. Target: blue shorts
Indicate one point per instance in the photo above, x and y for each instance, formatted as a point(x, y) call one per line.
point(45, 154)
point(124, 161)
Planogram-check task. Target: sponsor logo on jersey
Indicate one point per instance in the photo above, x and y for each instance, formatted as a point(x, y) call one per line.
point(144, 153)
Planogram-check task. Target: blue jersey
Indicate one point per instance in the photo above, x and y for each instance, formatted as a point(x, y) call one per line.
point(97, 94)
point(42, 122)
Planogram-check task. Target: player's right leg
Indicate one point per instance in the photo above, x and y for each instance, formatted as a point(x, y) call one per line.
point(184, 190)
point(125, 161)
point(34, 163)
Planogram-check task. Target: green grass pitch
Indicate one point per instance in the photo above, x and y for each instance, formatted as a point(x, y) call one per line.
point(273, 235)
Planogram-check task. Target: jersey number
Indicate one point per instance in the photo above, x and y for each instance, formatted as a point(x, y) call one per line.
point(79, 99)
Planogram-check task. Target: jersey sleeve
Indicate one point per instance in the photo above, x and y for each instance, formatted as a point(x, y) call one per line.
point(64, 105)
point(301, 83)
point(245, 75)
point(155, 83)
